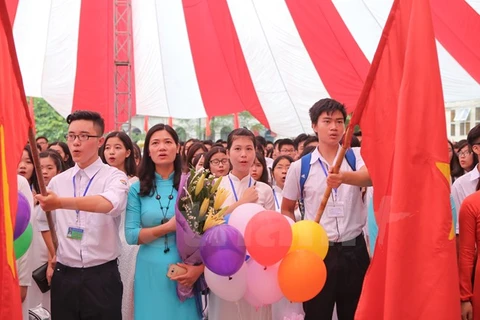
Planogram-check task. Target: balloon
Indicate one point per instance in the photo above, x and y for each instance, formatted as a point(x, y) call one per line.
point(309, 235)
point(252, 299)
point(23, 242)
point(222, 249)
point(268, 237)
point(242, 214)
point(262, 282)
point(301, 275)
point(23, 216)
point(228, 288)
point(290, 220)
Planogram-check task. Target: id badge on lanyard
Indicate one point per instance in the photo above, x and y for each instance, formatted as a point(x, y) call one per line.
point(335, 209)
point(76, 232)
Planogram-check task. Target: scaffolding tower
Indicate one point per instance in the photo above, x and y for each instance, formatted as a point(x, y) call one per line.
point(123, 64)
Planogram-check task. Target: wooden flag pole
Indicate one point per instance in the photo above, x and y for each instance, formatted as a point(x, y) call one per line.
point(336, 168)
point(43, 189)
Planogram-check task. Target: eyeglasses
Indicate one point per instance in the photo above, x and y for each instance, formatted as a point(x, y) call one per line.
point(287, 150)
point(81, 137)
point(217, 162)
point(463, 153)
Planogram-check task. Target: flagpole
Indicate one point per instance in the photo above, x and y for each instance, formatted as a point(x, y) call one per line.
point(336, 168)
point(43, 189)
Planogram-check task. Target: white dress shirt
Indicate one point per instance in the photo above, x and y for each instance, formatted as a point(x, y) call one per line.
point(265, 195)
point(462, 188)
point(100, 242)
point(338, 229)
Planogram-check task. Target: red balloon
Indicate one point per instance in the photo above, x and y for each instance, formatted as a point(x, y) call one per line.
point(268, 237)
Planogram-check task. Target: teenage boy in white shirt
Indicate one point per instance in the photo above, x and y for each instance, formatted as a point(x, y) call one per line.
point(347, 259)
point(88, 200)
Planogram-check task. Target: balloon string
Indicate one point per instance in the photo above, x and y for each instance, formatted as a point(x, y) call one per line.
point(239, 311)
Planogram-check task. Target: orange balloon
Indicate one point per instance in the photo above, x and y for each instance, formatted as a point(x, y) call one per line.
point(268, 237)
point(301, 275)
point(309, 235)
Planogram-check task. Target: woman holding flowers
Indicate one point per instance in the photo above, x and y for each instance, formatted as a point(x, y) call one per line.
point(150, 223)
point(241, 146)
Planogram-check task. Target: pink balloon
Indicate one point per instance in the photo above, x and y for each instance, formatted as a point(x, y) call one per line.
point(242, 215)
point(228, 288)
point(262, 283)
point(290, 220)
point(252, 299)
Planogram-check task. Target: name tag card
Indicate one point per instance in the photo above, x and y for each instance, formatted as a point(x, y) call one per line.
point(336, 209)
point(75, 233)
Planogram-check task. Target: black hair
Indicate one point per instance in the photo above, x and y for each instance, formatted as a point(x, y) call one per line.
point(307, 150)
point(208, 142)
point(299, 139)
point(137, 153)
point(33, 179)
point(190, 154)
point(130, 165)
point(146, 173)
point(309, 140)
point(69, 163)
point(358, 133)
point(261, 141)
point(196, 159)
point(241, 132)
point(41, 137)
point(210, 154)
point(473, 136)
point(264, 177)
point(57, 159)
point(327, 106)
point(277, 160)
point(285, 142)
point(456, 170)
point(93, 116)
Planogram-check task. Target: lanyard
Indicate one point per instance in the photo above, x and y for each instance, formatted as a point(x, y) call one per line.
point(84, 193)
point(335, 191)
point(233, 187)
point(275, 197)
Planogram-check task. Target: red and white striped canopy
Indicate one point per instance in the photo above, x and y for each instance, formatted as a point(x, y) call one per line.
point(194, 58)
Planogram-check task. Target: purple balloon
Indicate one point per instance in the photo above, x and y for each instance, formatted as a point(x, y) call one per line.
point(23, 216)
point(223, 250)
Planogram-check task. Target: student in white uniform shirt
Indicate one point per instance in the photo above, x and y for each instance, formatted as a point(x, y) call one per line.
point(89, 199)
point(243, 189)
point(344, 218)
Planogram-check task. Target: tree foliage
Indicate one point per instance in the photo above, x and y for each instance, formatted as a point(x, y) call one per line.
point(48, 122)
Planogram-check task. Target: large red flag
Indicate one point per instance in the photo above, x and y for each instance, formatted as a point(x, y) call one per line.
point(14, 123)
point(413, 274)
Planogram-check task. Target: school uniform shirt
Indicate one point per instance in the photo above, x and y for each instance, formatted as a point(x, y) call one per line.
point(463, 187)
point(338, 229)
point(100, 242)
point(237, 187)
point(277, 197)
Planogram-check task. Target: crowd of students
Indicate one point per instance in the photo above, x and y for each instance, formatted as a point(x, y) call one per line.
point(113, 206)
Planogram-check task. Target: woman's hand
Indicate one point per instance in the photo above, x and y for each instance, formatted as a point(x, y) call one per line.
point(250, 195)
point(467, 310)
point(193, 273)
point(50, 268)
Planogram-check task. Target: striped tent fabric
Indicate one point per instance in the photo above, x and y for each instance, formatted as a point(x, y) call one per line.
point(199, 58)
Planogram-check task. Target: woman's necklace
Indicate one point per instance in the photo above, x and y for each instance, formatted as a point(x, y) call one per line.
point(164, 212)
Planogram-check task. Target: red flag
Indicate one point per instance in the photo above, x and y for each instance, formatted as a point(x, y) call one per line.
point(14, 123)
point(170, 121)
point(236, 122)
point(413, 274)
point(145, 124)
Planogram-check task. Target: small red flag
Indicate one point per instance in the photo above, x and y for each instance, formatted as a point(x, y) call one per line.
point(208, 130)
point(413, 274)
point(14, 123)
point(236, 122)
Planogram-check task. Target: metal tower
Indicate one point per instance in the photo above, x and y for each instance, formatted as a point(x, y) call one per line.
point(123, 64)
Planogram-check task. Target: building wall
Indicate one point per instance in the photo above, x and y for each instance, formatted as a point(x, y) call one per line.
point(457, 129)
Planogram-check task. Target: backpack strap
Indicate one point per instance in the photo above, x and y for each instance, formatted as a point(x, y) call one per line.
point(304, 171)
point(351, 159)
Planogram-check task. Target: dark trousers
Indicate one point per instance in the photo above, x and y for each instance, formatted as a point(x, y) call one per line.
point(87, 293)
point(346, 263)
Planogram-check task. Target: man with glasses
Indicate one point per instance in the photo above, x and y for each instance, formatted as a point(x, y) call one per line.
point(287, 148)
point(88, 200)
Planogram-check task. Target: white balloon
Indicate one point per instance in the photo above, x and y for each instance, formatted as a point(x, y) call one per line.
point(243, 214)
point(228, 288)
point(262, 282)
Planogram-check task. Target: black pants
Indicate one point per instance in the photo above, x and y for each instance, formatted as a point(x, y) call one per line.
point(346, 263)
point(87, 293)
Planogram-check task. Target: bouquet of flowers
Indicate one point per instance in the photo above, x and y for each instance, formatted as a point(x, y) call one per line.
point(199, 207)
point(202, 202)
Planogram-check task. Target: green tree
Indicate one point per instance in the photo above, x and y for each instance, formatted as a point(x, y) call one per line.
point(48, 122)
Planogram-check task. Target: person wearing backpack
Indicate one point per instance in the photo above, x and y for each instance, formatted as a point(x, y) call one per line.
point(347, 259)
